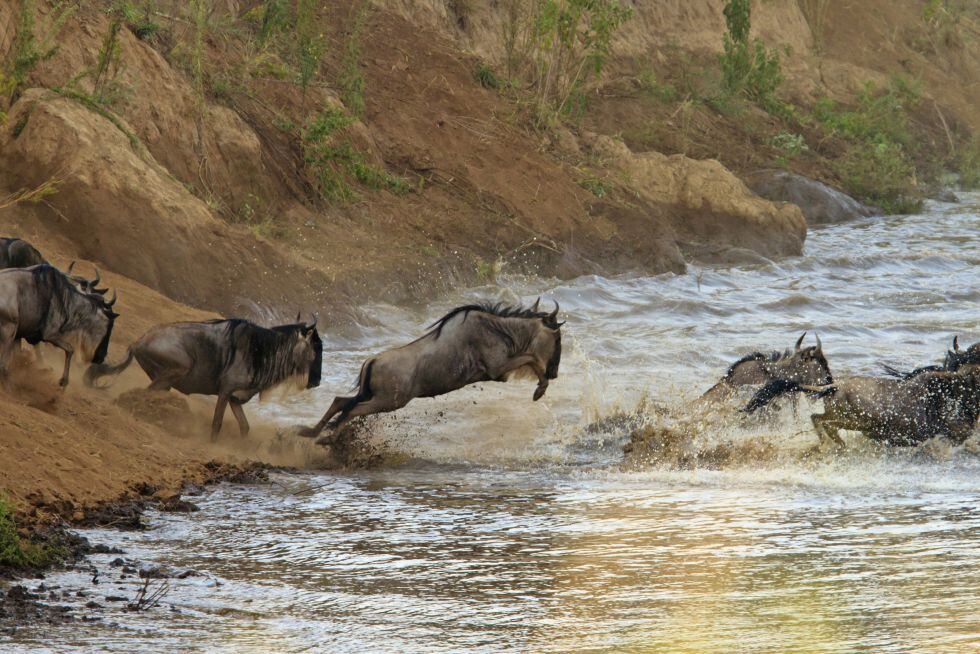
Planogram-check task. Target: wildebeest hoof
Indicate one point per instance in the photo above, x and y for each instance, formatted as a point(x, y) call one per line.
point(539, 392)
point(326, 439)
point(308, 432)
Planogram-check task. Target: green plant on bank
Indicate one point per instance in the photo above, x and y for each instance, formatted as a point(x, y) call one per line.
point(140, 18)
point(351, 79)
point(29, 49)
point(748, 68)
point(595, 186)
point(16, 552)
point(790, 143)
point(331, 165)
point(968, 164)
point(815, 12)
point(485, 77)
point(650, 86)
point(880, 116)
point(881, 174)
point(311, 44)
point(555, 47)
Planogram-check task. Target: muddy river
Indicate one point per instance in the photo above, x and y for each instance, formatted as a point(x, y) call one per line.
point(502, 525)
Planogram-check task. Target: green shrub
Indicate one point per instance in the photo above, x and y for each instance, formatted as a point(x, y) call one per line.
point(788, 142)
point(331, 165)
point(140, 19)
point(595, 186)
point(968, 164)
point(310, 43)
point(15, 552)
point(29, 49)
point(748, 68)
point(883, 175)
point(352, 82)
point(485, 77)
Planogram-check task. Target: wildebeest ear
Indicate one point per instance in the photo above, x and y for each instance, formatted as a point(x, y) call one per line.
point(113, 315)
point(99, 291)
point(956, 343)
point(799, 341)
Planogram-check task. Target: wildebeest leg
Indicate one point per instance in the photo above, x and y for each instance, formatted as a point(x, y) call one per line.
point(366, 408)
point(219, 414)
point(336, 407)
point(239, 413)
point(7, 342)
point(520, 362)
point(69, 352)
point(825, 429)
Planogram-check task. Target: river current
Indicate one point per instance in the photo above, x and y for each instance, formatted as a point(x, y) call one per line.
point(511, 526)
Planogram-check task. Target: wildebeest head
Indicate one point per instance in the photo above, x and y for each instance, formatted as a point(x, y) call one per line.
point(84, 284)
point(957, 358)
point(547, 340)
point(95, 339)
point(307, 353)
point(804, 365)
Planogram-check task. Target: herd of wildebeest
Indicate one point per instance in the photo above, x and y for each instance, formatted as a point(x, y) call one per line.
point(235, 359)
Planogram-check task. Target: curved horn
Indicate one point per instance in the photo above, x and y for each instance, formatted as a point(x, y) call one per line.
point(71, 267)
point(98, 277)
point(299, 315)
point(553, 316)
point(115, 297)
point(956, 343)
point(799, 341)
point(315, 317)
point(819, 344)
point(536, 303)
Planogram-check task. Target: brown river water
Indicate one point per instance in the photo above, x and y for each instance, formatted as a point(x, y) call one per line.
point(502, 525)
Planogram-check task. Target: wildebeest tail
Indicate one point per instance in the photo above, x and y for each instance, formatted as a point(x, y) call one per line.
point(97, 371)
point(364, 392)
point(778, 387)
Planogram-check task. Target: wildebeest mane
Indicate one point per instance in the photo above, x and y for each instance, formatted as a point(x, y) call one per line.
point(63, 294)
point(772, 357)
point(266, 352)
point(316, 368)
point(498, 309)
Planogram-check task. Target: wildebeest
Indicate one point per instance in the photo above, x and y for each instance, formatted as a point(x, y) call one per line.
point(234, 359)
point(955, 359)
point(895, 411)
point(18, 253)
point(41, 304)
point(470, 344)
point(805, 365)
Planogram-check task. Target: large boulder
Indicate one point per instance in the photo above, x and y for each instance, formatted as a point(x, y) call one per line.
point(821, 204)
point(717, 218)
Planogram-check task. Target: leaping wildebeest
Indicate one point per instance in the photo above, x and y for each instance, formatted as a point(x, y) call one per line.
point(234, 359)
point(41, 304)
point(470, 344)
point(895, 411)
point(805, 365)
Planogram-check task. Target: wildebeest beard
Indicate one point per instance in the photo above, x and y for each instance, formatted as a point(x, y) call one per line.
point(316, 368)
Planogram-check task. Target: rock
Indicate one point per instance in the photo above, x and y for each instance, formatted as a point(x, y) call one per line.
point(821, 204)
point(945, 195)
point(715, 210)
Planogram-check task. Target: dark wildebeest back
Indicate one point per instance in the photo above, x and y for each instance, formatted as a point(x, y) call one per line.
point(41, 304)
point(470, 344)
point(18, 253)
point(233, 359)
point(896, 411)
point(955, 359)
point(804, 365)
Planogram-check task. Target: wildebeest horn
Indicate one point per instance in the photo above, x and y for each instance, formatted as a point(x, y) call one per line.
point(956, 343)
point(71, 267)
point(109, 303)
point(98, 277)
point(312, 325)
point(819, 344)
point(799, 341)
point(553, 316)
point(299, 315)
point(536, 303)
